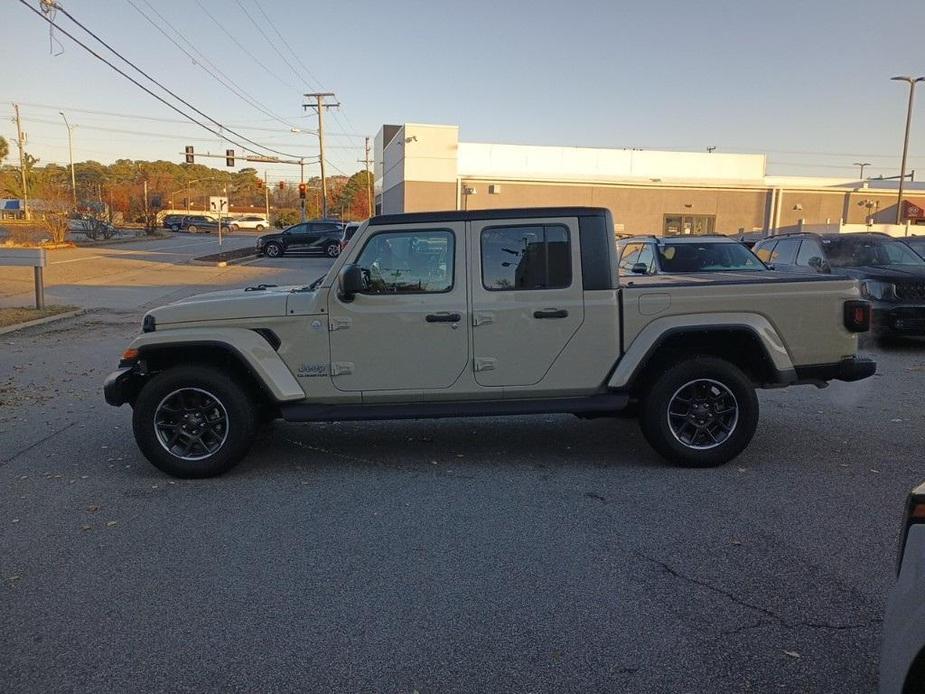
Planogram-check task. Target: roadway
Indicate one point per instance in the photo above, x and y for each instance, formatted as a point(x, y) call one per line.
point(527, 554)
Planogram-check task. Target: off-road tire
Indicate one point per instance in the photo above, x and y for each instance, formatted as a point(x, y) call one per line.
point(332, 249)
point(668, 390)
point(273, 250)
point(237, 402)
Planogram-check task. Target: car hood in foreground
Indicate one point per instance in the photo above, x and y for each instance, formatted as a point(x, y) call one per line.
point(225, 305)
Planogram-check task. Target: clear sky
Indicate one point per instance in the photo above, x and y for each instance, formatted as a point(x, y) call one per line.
point(806, 82)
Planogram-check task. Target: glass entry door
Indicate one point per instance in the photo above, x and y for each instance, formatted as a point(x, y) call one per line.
point(689, 224)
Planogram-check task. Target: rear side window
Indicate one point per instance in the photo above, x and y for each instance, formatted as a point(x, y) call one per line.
point(809, 249)
point(526, 257)
point(785, 252)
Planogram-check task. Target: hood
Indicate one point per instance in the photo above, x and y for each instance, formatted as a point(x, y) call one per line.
point(225, 305)
point(886, 273)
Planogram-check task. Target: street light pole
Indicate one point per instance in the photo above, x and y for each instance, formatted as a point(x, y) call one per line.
point(862, 165)
point(70, 151)
point(912, 81)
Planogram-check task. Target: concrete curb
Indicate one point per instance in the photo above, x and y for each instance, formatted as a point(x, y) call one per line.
point(111, 242)
point(40, 321)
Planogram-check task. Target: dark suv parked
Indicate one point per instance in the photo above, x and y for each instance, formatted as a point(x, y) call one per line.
point(173, 222)
point(195, 223)
point(321, 236)
point(892, 276)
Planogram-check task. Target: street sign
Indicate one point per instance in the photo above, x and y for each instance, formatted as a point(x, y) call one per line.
point(218, 203)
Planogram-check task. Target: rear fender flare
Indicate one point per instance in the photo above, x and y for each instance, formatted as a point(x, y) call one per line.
point(658, 331)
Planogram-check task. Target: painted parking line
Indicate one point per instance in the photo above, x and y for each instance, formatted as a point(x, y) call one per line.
point(76, 260)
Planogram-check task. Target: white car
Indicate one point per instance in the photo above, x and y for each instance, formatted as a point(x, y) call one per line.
point(902, 655)
point(251, 221)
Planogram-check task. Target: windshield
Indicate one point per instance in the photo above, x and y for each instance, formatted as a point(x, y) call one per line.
point(856, 252)
point(707, 257)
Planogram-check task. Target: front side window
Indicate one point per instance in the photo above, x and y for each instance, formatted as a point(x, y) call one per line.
point(785, 252)
point(526, 257)
point(810, 254)
point(637, 254)
point(409, 262)
point(763, 251)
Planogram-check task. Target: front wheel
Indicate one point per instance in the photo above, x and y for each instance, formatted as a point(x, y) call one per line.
point(192, 228)
point(233, 227)
point(273, 250)
point(701, 412)
point(259, 227)
point(332, 250)
point(193, 421)
point(175, 227)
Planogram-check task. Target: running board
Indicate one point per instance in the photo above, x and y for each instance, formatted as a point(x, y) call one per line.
point(604, 403)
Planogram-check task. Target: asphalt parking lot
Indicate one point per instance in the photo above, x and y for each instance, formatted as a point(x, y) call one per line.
point(526, 554)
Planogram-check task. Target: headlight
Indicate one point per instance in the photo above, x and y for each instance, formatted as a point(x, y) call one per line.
point(878, 291)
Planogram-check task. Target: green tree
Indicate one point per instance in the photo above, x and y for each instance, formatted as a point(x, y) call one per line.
point(4, 149)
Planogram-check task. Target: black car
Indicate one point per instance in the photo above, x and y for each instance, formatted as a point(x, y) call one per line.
point(173, 221)
point(195, 223)
point(892, 276)
point(321, 236)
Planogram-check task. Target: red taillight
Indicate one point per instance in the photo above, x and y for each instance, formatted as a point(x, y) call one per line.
point(857, 316)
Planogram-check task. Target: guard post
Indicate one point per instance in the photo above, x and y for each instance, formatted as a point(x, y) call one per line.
point(28, 257)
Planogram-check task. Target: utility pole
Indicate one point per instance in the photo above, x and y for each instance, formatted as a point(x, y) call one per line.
point(902, 169)
point(266, 194)
point(147, 221)
point(301, 182)
point(862, 165)
point(70, 153)
point(369, 182)
point(320, 105)
point(21, 142)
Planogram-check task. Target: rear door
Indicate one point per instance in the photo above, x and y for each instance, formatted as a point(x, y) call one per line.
point(527, 298)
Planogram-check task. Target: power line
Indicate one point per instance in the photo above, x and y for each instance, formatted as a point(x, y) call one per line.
point(151, 79)
point(267, 38)
point(203, 62)
point(133, 80)
point(244, 48)
point(286, 44)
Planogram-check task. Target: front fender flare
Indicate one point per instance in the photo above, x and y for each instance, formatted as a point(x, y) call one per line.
point(656, 332)
point(251, 348)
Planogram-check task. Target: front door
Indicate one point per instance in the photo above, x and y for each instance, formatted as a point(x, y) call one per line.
point(527, 300)
point(409, 330)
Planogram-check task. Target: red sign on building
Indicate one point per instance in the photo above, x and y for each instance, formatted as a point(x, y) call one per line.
point(912, 212)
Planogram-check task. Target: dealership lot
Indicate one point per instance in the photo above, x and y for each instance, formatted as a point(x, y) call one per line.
point(520, 554)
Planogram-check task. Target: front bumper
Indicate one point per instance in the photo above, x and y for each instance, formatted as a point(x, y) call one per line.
point(898, 320)
point(850, 369)
point(119, 386)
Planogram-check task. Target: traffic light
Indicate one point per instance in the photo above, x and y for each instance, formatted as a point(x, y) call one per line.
point(189, 154)
point(229, 157)
point(302, 190)
point(282, 185)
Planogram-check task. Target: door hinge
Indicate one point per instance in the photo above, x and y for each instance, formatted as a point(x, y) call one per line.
point(484, 363)
point(341, 368)
point(482, 319)
point(339, 323)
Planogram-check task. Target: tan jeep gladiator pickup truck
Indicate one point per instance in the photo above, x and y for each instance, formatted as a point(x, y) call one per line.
point(494, 312)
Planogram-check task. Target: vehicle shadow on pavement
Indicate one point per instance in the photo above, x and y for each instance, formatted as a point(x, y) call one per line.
point(548, 441)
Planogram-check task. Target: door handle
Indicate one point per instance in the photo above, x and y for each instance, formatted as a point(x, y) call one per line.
point(551, 313)
point(443, 318)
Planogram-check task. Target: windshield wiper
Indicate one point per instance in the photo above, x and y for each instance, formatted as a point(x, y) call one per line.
point(314, 285)
point(260, 287)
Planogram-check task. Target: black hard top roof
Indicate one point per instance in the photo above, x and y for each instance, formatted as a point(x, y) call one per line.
point(469, 215)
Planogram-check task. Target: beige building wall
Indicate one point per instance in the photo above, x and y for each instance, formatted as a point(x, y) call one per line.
point(640, 209)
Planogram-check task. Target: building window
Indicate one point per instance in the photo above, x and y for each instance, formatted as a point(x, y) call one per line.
point(689, 224)
point(526, 257)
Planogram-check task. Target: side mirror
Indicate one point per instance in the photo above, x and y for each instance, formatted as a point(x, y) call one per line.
point(640, 269)
point(352, 282)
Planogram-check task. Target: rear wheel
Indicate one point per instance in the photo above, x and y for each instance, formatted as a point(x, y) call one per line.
point(273, 250)
point(259, 227)
point(192, 228)
point(193, 421)
point(701, 412)
point(175, 227)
